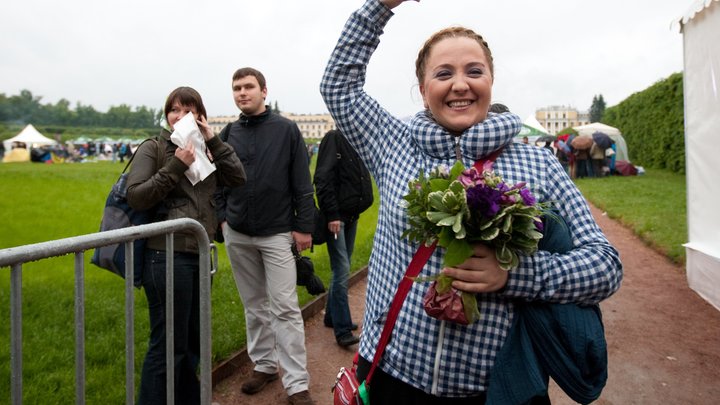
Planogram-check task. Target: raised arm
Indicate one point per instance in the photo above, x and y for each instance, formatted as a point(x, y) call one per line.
point(367, 125)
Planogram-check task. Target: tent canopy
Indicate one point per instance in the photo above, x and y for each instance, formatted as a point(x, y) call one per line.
point(30, 137)
point(621, 152)
point(532, 122)
point(532, 134)
point(701, 28)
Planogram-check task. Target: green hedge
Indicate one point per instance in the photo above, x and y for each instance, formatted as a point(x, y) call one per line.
point(652, 123)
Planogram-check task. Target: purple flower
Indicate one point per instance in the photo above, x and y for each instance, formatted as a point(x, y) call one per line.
point(485, 200)
point(527, 197)
point(539, 225)
point(506, 198)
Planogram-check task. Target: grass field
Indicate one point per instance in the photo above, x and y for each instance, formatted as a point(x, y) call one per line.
point(653, 205)
point(41, 202)
point(44, 202)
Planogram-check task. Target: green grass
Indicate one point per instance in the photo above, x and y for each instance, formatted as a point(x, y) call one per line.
point(44, 202)
point(652, 205)
point(41, 202)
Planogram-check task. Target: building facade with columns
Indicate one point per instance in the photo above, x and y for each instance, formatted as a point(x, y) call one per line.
point(312, 126)
point(556, 118)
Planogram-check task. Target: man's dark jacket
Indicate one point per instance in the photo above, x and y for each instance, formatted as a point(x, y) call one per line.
point(278, 194)
point(342, 181)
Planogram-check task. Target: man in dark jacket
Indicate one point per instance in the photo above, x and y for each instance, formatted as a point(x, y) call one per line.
point(260, 223)
point(344, 190)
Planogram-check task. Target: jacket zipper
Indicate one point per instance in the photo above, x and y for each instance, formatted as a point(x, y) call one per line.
point(438, 349)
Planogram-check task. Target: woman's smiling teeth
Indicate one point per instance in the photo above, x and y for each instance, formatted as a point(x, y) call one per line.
point(459, 103)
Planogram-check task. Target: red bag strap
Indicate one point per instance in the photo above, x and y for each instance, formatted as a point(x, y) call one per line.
point(489, 158)
point(416, 264)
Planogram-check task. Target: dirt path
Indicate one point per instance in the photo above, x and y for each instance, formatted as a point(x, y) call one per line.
point(663, 339)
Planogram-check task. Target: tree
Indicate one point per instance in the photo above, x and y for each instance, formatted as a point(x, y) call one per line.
point(143, 117)
point(23, 108)
point(87, 116)
point(597, 109)
point(119, 116)
point(59, 113)
point(27, 108)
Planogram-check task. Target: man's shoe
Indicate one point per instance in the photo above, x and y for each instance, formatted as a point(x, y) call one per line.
point(347, 340)
point(257, 381)
point(328, 324)
point(301, 398)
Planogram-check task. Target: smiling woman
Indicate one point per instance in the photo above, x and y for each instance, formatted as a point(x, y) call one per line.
point(456, 77)
point(430, 360)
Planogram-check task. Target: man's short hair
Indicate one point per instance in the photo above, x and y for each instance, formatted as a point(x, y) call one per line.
point(248, 71)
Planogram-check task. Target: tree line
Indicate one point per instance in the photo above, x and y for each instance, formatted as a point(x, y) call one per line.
point(26, 108)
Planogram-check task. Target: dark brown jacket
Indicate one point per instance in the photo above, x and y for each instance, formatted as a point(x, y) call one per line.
point(165, 188)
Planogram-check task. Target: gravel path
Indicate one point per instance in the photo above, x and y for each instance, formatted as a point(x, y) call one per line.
point(663, 339)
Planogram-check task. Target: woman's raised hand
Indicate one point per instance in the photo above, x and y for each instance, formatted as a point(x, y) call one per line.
point(205, 128)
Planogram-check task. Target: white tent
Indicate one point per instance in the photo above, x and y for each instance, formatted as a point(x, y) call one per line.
point(700, 28)
point(532, 122)
point(30, 137)
point(621, 150)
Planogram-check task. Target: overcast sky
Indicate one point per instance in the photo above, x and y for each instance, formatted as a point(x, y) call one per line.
point(107, 53)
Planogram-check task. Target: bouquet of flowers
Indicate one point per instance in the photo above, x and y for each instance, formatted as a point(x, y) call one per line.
point(458, 207)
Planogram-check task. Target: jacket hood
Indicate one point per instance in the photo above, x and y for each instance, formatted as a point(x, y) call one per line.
point(478, 141)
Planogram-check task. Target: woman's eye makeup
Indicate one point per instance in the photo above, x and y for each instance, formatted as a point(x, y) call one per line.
point(475, 72)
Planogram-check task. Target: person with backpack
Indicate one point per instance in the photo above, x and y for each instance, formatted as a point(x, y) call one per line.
point(157, 181)
point(344, 190)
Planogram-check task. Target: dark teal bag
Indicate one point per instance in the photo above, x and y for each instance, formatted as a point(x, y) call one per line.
point(117, 215)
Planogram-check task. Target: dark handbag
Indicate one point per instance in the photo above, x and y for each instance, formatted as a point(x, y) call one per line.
point(347, 389)
point(306, 276)
point(117, 215)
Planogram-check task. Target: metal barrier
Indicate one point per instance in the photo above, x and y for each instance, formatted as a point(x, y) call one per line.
point(16, 256)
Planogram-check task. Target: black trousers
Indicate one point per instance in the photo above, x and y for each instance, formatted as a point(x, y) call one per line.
point(389, 390)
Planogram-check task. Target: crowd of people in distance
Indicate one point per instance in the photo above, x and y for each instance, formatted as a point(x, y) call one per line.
point(71, 152)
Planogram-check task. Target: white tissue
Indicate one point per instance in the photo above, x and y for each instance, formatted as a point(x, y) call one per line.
point(186, 131)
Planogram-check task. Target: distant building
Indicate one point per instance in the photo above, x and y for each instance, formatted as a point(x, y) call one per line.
point(311, 125)
point(218, 123)
point(556, 118)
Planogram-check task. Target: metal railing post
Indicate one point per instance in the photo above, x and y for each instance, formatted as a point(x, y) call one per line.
point(79, 328)
point(16, 256)
point(16, 333)
point(129, 323)
point(169, 318)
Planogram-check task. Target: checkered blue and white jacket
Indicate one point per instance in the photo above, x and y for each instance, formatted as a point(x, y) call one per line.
point(444, 358)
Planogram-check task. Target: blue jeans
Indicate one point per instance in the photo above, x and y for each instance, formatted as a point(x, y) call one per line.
point(187, 329)
point(337, 310)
